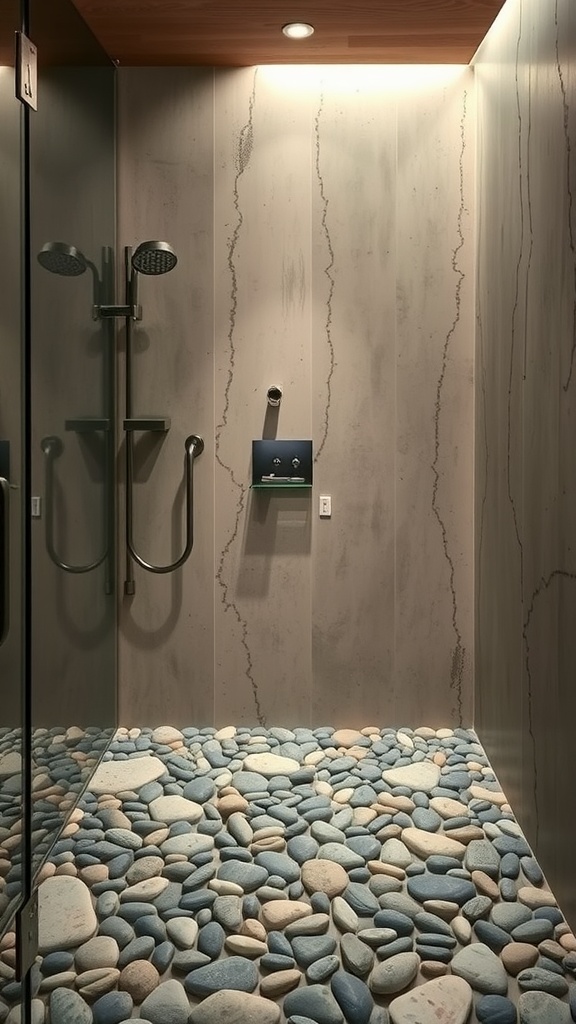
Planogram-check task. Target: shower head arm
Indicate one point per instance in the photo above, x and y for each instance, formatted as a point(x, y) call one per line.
point(130, 309)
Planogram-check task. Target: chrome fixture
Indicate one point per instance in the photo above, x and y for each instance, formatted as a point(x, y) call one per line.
point(154, 258)
point(274, 395)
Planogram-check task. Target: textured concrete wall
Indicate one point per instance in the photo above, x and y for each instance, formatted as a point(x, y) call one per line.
point(526, 381)
point(324, 223)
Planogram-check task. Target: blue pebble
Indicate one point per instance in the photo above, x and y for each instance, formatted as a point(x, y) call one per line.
point(353, 997)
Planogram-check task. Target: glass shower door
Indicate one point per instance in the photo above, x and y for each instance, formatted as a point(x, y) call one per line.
point(11, 477)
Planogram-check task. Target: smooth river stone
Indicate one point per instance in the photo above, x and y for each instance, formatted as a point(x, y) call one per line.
point(448, 808)
point(190, 844)
point(422, 776)
point(395, 974)
point(174, 808)
point(425, 844)
point(235, 1008)
point(344, 917)
point(276, 914)
point(481, 968)
point(65, 914)
point(234, 973)
point(541, 1008)
point(396, 853)
point(482, 856)
point(535, 898)
point(67, 1007)
point(269, 765)
point(324, 876)
point(118, 776)
point(167, 1004)
point(315, 1002)
point(440, 887)
point(447, 1000)
point(353, 997)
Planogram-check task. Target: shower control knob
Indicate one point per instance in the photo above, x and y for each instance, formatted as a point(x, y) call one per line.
point(277, 461)
point(295, 463)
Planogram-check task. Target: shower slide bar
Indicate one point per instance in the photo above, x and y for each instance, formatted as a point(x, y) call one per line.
point(153, 258)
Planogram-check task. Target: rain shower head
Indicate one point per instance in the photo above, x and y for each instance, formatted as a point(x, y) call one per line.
point(154, 258)
point(63, 259)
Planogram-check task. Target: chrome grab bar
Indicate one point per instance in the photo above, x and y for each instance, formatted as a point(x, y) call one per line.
point(194, 446)
point(53, 448)
point(5, 558)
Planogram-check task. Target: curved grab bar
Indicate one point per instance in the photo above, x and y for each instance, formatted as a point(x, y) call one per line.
point(53, 448)
point(5, 556)
point(193, 446)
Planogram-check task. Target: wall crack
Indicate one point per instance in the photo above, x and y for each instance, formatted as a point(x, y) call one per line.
point(243, 154)
point(328, 273)
point(458, 652)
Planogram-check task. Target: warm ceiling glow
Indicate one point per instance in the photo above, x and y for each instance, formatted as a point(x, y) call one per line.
point(297, 30)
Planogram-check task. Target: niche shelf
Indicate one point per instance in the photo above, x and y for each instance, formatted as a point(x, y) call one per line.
point(281, 465)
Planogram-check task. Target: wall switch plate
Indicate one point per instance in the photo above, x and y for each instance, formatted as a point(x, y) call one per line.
point(36, 508)
point(325, 506)
point(26, 71)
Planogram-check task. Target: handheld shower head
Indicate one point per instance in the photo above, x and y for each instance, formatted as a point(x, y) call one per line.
point(63, 259)
point(154, 258)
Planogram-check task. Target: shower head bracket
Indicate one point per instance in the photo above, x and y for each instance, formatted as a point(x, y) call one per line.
point(133, 311)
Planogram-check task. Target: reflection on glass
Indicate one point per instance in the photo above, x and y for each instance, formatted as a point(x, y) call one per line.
point(11, 573)
point(72, 432)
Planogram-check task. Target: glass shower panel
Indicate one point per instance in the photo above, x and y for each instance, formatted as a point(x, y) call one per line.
point(11, 477)
point(72, 432)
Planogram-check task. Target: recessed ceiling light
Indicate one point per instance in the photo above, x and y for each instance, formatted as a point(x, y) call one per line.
point(297, 30)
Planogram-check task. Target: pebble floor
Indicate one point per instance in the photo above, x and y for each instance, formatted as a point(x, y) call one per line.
point(257, 876)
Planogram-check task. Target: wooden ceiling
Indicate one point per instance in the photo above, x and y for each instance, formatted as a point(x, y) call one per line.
point(243, 32)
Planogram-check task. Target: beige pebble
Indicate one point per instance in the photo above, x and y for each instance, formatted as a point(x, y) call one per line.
point(342, 796)
point(279, 982)
point(377, 867)
point(486, 885)
point(439, 758)
point(77, 814)
point(358, 752)
point(474, 766)
point(404, 740)
point(494, 796)
point(370, 730)
point(398, 803)
point(324, 876)
point(331, 752)
point(231, 804)
point(433, 969)
point(552, 949)
point(8, 941)
point(448, 807)
point(228, 732)
point(517, 956)
point(10, 956)
point(97, 982)
point(462, 930)
point(246, 946)
point(390, 831)
point(224, 888)
point(175, 858)
point(67, 869)
point(363, 815)
point(46, 871)
point(157, 837)
point(561, 929)
point(346, 737)
point(139, 978)
point(255, 929)
point(314, 757)
point(466, 834)
point(269, 832)
point(110, 802)
point(93, 873)
point(323, 788)
point(442, 908)
point(568, 942)
point(278, 913)
point(273, 844)
point(534, 898)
